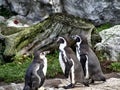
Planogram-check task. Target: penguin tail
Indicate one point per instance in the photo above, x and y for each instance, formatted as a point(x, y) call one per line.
point(103, 78)
point(99, 78)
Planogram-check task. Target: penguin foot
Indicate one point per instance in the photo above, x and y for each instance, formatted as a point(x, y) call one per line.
point(86, 84)
point(91, 81)
point(69, 86)
point(104, 79)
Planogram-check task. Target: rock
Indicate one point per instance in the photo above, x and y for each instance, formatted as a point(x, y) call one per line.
point(110, 84)
point(18, 21)
point(2, 2)
point(97, 11)
point(56, 6)
point(2, 19)
point(41, 36)
point(33, 10)
point(110, 43)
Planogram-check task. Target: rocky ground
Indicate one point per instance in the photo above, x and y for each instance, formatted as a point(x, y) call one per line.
point(112, 83)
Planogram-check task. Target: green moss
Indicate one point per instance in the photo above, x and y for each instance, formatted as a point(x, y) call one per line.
point(102, 27)
point(13, 42)
point(72, 21)
point(8, 30)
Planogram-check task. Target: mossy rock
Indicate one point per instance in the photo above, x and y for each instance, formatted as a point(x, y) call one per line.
point(41, 35)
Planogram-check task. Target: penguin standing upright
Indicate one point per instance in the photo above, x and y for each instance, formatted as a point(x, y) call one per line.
point(88, 59)
point(70, 65)
point(36, 72)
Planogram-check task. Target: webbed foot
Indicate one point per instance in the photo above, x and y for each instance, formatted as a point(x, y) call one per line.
point(69, 86)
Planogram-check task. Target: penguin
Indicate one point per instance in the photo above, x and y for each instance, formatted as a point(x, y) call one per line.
point(90, 63)
point(36, 72)
point(69, 63)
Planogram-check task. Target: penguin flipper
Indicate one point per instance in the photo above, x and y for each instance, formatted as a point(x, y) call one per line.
point(41, 74)
point(84, 63)
point(68, 66)
point(34, 83)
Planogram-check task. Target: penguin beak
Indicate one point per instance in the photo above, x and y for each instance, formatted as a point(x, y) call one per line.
point(58, 40)
point(46, 52)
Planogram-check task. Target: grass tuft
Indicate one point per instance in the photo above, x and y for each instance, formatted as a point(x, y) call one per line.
point(115, 66)
point(102, 27)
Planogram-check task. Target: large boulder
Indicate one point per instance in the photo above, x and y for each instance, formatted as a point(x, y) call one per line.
point(42, 35)
point(98, 11)
point(110, 43)
point(34, 10)
point(31, 9)
point(2, 19)
point(2, 2)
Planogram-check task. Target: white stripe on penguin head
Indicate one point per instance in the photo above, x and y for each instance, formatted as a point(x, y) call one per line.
point(62, 45)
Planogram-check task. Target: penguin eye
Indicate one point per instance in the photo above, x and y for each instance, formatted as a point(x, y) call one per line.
point(43, 53)
point(78, 39)
point(62, 41)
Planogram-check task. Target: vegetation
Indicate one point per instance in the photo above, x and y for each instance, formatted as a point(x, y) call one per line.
point(115, 66)
point(53, 65)
point(15, 71)
point(102, 27)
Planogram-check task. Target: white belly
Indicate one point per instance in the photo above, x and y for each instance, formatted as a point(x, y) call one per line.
point(87, 69)
point(45, 66)
point(78, 51)
point(78, 55)
point(62, 65)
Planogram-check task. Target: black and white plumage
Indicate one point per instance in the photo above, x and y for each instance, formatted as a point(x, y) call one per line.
point(70, 65)
point(36, 72)
point(88, 59)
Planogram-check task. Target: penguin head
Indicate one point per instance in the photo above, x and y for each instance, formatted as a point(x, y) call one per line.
point(40, 54)
point(77, 38)
point(62, 41)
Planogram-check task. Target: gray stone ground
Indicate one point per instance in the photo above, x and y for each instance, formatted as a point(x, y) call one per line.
point(112, 83)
